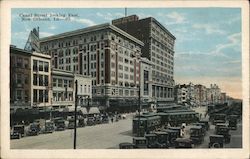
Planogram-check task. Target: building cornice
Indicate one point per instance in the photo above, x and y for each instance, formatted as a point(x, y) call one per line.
point(91, 29)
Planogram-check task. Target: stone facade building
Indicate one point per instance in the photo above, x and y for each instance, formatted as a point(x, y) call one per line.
point(106, 53)
point(158, 48)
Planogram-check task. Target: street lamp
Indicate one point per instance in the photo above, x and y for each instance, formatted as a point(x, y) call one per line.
point(76, 101)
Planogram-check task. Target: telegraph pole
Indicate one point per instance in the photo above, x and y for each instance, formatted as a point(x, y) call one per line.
point(76, 99)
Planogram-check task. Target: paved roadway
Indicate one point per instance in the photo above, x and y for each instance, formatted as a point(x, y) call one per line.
point(101, 136)
point(105, 136)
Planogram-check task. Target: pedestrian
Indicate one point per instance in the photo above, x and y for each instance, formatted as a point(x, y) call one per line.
point(112, 119)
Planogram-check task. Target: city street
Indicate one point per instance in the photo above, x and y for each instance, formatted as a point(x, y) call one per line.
point(90, 137)
point(107, 136)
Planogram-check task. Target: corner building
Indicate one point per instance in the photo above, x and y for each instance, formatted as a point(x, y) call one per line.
point(158, 48)
point(105, 52)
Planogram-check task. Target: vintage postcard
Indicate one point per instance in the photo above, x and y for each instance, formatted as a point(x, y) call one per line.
point(88, 79)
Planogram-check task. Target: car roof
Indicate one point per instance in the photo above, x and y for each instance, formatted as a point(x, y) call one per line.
point(183, 140)
point(139, 138)
point(216, 135)
point(195, 127)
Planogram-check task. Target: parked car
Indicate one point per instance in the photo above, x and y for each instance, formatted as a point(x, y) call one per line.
point(81, 122)
point(162, 139)
point(140, 142)
point(91, 121)
point(60, 125)
point(71, 124)
point(18, 132)
point(225, 132)
point(183, 143)
point(172, 136)
point(49, 127)
point(216, 141)
point(206, 122)
point(126, 145)
point(151, 140)
point(34, 129)
point(196, 134)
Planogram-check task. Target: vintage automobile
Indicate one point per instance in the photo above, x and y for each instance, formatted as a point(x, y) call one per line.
point(196, 134)
point(34, 129)
point(71, 124)
point(81, 122)
point(49, 127)
point(140, 142)
point(217, 126)
point(183, 143)
point(176, 129)
point(203, 126)
point(232, 120)
point(172, 136)
point(162, 139)
point(91, 121)
point(219, 118)
point(60, 125)
point(206, 122)
point(151, 140)
point(216, 141)
point(126, 145)
point(223, 130)
point(18, 132)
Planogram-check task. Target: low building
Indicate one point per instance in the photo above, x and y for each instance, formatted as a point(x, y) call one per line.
point(20, 82)
point(41, 84)
point(64, 89)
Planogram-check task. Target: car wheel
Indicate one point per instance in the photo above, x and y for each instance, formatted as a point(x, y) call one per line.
point(216, 145)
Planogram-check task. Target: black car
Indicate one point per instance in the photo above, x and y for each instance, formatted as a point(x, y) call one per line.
point(223, 130)
point(162, 139)
point(60, 125)
point(172, 136)
point(126, 145)
point(151, 140)
point(140, 142)
point(196, 134)
point(206, 122)
point(91, 121)
point(34, 129)
point(183, 143)
point(216, 141)
point(49, 127)
point(18, 132)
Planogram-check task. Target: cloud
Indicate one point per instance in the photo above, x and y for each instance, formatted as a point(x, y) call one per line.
point(208, 28)
point(177, 17)
point(45, 34)
point(83, 21)
point(110, 16)
point(234, 41)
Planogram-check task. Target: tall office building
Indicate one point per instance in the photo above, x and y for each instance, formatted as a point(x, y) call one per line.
point(110, 55)
point(158, 48)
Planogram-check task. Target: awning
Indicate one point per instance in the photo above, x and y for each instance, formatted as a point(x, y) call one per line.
point(94, 110)
point(83, 110)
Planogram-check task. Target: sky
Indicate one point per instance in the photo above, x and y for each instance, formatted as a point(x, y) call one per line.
point(207, 46)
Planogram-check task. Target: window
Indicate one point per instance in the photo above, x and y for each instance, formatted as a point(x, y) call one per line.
point(34, 95)
point(40, 66)
point(34, 65)
point(19, 62)
point(85, 88)
point(26, 63)
point(26, 95)
point(40, 80)
point(19, 79)
point(59, 82)
point(35, 79)
point(19, 95)
point(70, 83)
point(65, 83)
point(46, 66)
point(46, 96)
point(46, 80)
point(54, 82)
point(40, 96)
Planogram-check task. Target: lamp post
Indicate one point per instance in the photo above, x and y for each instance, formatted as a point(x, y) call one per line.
point(139, 98)
point(76, 101)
